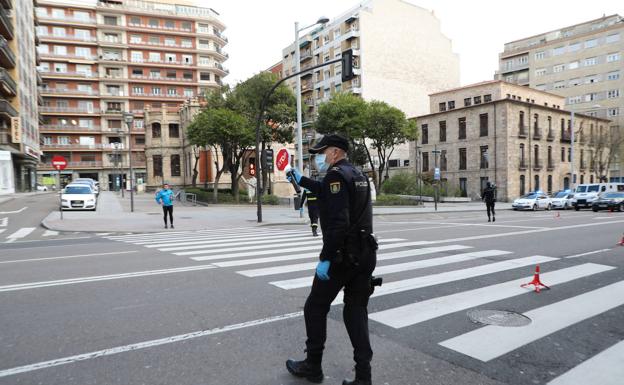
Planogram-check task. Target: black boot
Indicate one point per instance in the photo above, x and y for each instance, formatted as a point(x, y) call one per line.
point(309, 371)
point(314, 231)
point(493, 219)
point(357, 382)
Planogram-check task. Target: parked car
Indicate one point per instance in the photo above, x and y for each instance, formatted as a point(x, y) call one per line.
point(88, 181)
point(586, 194)
point(562, 200)
point(532, 201)
point(41, 187)
point(78, 197)
point(609, 201)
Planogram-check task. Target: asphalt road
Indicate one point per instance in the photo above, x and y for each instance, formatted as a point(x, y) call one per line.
point(224, 306)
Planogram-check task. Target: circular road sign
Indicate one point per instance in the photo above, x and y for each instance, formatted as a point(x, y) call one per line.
point(282, 159)
point(59, 162)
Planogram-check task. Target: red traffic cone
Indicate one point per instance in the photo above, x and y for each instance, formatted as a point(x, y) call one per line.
point(536, 281)
point(621, 243)
point(558, 215)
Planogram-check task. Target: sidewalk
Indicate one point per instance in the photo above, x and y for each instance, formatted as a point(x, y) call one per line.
point(113, 215)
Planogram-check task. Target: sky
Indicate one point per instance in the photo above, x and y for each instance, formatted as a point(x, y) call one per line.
point(258, 30)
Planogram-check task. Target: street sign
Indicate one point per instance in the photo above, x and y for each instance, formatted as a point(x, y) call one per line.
point(59, 162)
point(282, 159)
point(436, 174)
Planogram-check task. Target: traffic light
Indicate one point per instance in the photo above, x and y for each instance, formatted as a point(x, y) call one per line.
point(347, 65)
point(252, 166)
point(268, 160)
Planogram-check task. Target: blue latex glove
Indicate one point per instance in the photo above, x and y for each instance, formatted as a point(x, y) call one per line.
point(322, 269)
point(293, 171)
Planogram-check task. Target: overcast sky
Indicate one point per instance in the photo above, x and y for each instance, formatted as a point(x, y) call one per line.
point(258, 29)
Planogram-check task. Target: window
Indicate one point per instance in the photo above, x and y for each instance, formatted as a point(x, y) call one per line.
point(156, 90)
point(442, 106)
point(187, 59)
point(483, 125)
point(540, 72)
point(522, 185)
point(174, 130)
point(467, 102)
point(522, 156)
point(590, 96)
point(204, 61)
point(135, 20)
point(203, 28)
point(157, 165)
point(113, 106)
point(60, 50)
point(523, 60)
point(138, 90)
point(613, 57)
point(558, 51)
point(63, 140)
point(155, 130)
point(171, 74)
point(443, 161)
point(425, 162)
point(60, 67)
point(175, 165)
point(574, 65)
point(591, 43)
point(187, 26)
point(58, 13)
point(84, 52)
point(170, 57)
point(487, 98)
point(613, 94)
point(187, 75)
point(461, 122)
point(451, 105)
point(463, 186)
point(443, 131)
point(114, 124)
point(84, 34)
point(574, 47)
point(462, 158)
point(137, 72)
point(559, 68)
point(139, 123)
point(83, 69)
point(614, 75)
point(111, 37)
point(613, 38)
point(86, 123)
point(169, 24)
point(540, 87)
point(477, 100)
point(186, 43)
point(425, 134)
point(537, 182)
point(155, 74)
point(484, 157)
point(204, 76)
point(188, 92)
point(574, 82)
point(611, 112)
point(563, 158)
point(170, 41)
point(140, 140)
point(559, 84)
point(154, 56)
point(110, 20)
point(575, 99)
point(136, 39)
point(136, 56)
point(47, 140)
point(591, 79)
point(58, 31)
point(153, 23)
point(172, 91)
point(590, 61)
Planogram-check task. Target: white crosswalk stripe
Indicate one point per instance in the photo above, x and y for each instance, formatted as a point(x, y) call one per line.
point(605, 368)
point(4, 222)
point(21, 233)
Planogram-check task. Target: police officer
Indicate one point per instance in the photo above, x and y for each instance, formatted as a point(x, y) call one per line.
point(489, 197)
point(313, 210)
point(347, 259)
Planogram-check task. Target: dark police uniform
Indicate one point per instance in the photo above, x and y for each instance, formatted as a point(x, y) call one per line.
point(347, 226)
point(489, 196)
point(313, 209)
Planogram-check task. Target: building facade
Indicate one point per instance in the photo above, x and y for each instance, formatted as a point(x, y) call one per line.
point(100, 59)
point(19, 125)
point(583, 63)
point(513, 136)
point(400, 53)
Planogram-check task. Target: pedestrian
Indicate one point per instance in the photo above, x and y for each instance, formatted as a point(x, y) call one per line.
point(313, 210)
point(347, 259)
point(489, 197)
point(164, 197)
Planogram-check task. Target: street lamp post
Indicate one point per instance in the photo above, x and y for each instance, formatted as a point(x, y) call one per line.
point(572, 178)
point(129, 118)
point(321, 20)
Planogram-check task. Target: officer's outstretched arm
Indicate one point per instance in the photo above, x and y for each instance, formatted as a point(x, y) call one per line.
point(336, 194)
point(312, 185)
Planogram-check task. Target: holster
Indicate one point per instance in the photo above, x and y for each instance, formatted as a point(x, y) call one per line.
point(359, 244)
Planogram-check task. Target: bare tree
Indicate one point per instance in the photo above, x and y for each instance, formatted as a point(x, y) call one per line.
point(605, 149)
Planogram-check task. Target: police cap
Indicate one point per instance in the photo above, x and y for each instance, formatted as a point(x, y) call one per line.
point(330, 140)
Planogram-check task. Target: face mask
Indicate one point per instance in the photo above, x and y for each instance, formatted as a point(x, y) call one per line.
point(321, 165)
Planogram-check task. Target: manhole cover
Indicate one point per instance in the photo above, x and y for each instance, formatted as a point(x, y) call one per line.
point(186, 217)
point(498, 318)
point(154, 213)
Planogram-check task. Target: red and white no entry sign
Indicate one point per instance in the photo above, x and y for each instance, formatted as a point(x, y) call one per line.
point(282, 159)
point(59, 162)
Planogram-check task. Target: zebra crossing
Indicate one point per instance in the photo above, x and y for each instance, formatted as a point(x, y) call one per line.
point(285, 259)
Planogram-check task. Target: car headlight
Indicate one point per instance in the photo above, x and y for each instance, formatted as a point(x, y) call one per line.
point(64, 200)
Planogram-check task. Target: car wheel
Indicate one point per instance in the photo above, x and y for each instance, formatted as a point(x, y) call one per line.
point(576, 208)
point(595, 209)
point(621, 207)
point(534, 207)
point(549, 207)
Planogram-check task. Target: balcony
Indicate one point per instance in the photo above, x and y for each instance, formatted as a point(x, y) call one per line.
point(69, 110)
point(7, 57)
point(67, 128)
point(73, 165)
point(67, 19)
point(583, 165)
point(566, 136)
point(153, 61)
point(551, 165)
point(72, 37)
point(537, 165)
point(6, 25)
point(71, 147)
point(309, 102)
point(551, 136)
point(67, 91)
point(523, 165)
point(7, 109)
point(159, 27)
point(53, 55)
point(154, 79)
point(537, 133)
point(8, 87)
point(306, 86)
point(305, 55)
point(72, 74)
point(158, 95)
point(523, 132)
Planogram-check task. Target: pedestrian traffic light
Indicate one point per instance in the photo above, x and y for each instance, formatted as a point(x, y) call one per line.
point(268, 160)
point(252, 166)
point(347, 65)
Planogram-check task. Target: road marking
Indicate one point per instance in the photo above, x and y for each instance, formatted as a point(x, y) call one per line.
point(21, 233)
point(4, 222)
point(430, 280)
point(169, 234)
point(588, 253)
point(144, 345)
point(50, 233)
point(605, 368)
point(14, 212)
point(417, 312)
point(232, 239)
point(299, 249)
point(2, 231)
point(387, 269)
point(491, 342)
point(604, 217)
point(71, 281)
point(203, 237)
point(68, 257)
point(421, 251)
point(286, 239)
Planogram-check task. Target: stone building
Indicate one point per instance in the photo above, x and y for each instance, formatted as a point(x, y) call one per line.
point(514, 136)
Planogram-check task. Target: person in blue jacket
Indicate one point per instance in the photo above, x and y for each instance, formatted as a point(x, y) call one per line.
point(164, 197)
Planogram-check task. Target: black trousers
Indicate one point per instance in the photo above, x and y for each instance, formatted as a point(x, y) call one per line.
point(168, 209)
point(313, 213)
point(357, 290)
point(490, 208)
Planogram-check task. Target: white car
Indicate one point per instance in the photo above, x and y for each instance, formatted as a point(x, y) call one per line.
point(562, 200)
point(78, 197)
point(532, 201)
point(41, 187)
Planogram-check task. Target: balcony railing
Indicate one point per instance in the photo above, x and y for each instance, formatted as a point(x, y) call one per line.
point(160, 27)
point(8, 82)
point(67, 91)
point(537, 133)
point(551, 135)
point(150, 95)
point(65, 127)
point(566, 136)
point(152, 61)
point(72, 19)
point(67, 37)
point(154, 8)
point(6, 25)
point(523, 131)
point(161, 79)
point(523, 165)
point(68, 56)
point(87, 164)
point(75, 110)
point(70, 73)
point(7, 57)
point(72, 146)
point(7, 108)
point(537, 165)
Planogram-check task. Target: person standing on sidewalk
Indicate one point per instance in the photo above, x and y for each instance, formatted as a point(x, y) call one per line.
point(313, 210)
point(164, 197)
point(489, 197)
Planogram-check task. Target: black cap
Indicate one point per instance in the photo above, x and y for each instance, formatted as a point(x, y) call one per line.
point(330, 140)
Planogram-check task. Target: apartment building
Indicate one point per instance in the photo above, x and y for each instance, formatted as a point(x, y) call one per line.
point(100, 59)
point(514, 136)
point(19, 126)
point(400, 54)
point(583, 63)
